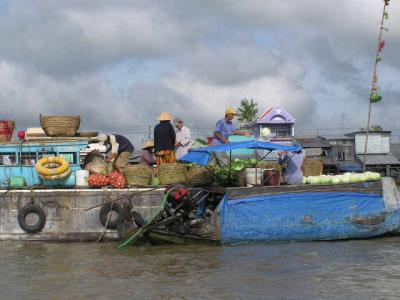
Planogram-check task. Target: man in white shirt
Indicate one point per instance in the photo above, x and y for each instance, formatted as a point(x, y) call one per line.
point(183, 139)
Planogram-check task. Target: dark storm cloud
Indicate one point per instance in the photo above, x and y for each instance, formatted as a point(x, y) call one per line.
point(313, 57)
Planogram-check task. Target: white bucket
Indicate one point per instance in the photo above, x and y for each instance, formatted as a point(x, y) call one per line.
point(81, 178)
point(254, 176)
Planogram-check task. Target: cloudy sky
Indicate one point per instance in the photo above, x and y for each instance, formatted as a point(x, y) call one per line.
point(118, 64)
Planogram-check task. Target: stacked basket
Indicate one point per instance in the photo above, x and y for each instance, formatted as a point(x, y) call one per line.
point(199, 176)
point(172, 173)
point(60, 125)
point(137, 175)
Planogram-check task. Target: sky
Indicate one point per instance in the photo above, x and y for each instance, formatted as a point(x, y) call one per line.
point(119, 64)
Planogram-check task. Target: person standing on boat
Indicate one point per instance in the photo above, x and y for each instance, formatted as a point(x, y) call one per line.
point(147, 157)
point(164, 140)
point(225, 127)
point(183, 139)
point(282, 160)
point(120, 149)
point(293, 173)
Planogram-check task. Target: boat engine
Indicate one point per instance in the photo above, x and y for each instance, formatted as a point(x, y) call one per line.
point(179, 200)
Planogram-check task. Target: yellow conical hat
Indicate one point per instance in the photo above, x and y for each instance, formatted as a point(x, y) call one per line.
point(164, 116)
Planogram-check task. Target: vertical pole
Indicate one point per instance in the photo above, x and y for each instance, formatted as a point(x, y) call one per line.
point(149, 132)
point(230, 167)
point(372, 88)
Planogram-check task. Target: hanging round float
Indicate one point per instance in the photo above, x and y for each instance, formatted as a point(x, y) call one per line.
point(53, 167)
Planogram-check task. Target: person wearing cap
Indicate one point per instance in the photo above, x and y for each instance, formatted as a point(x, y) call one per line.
point(119, 151)
point(164, 140)
point(183, 139)
point(225, 127)
point(147, 158)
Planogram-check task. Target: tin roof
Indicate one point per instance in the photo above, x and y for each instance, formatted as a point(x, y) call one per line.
point(314, 142)
point(337, 137)
point(379, 159)
point(369, 132)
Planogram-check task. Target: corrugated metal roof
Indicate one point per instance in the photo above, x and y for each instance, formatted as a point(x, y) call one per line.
point(379, 159)
point(313, 142)
point(369, 132)
point(337, 137)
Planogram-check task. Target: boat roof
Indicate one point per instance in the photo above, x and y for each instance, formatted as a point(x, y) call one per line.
point(201, 156)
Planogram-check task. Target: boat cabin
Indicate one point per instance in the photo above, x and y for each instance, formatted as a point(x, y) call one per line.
point(19, 159)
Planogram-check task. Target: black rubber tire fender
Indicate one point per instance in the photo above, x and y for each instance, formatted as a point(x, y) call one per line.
point(31, 209)
point(139, 221)
point(105, 209)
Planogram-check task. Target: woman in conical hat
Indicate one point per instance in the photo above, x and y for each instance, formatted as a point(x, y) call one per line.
point(164, 139)
point(147, 158)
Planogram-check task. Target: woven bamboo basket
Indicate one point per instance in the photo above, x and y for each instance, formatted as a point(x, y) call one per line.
point(172, 173)
point(312, 167)
point(199, 176)
point(137, 175)
point(60, 125)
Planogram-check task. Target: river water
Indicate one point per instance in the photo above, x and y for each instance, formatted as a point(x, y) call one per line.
point(368, 269)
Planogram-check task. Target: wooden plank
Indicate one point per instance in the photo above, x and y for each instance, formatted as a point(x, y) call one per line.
point(371, 187)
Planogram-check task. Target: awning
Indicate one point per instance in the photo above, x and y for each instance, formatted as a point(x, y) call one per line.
point(349, 166)
point(379, 159)
point(201, 156)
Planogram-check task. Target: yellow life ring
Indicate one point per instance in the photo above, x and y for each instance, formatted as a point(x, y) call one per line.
point(47, 166)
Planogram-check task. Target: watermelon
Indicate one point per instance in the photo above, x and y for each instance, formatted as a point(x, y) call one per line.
point(155, 181)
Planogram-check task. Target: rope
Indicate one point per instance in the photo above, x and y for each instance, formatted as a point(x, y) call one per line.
point(373, 85)
point(107, 221)
point(121, 197)
point(135, 236)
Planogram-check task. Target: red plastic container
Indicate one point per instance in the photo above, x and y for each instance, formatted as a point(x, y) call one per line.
point(6, 130)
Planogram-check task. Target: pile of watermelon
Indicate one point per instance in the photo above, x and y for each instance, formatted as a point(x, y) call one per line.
point(100, 180)
point(116, 180)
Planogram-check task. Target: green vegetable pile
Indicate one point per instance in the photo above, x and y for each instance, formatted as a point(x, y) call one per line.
point(344, 178)
point(222, 176)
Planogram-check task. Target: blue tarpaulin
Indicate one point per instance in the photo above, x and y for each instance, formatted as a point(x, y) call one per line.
point(305, 216)
point(201, 156)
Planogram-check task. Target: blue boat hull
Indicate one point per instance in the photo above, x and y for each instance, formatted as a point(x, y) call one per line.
point(310, 216)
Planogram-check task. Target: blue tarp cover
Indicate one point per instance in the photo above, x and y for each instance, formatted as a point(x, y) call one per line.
point(201, 156)
point(303, 216)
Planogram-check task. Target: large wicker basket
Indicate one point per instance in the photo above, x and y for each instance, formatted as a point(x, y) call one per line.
point(312, 167)
point(137, 175)
point(60, 125)
point(172, 173)
point(199, 176)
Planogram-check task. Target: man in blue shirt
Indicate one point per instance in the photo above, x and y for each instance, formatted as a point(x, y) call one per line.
point(225, 127)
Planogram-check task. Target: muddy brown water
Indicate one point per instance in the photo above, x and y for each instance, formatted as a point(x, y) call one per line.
point(368, 269)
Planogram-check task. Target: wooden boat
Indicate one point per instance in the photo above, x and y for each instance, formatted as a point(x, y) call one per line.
point(296, 213)
point(286, 213)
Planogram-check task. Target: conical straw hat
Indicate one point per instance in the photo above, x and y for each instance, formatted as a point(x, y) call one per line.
point(164, 116)
point(148, 143)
